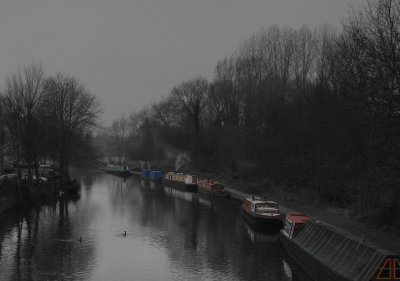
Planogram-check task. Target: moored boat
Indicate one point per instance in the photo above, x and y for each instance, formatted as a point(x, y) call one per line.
point(262, 214)
point(327, 253)
point(180, 181)
point(152, 175)
point(212, 188)
point(118, 170)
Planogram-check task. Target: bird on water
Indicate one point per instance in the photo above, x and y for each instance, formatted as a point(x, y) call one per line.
point(124, 233)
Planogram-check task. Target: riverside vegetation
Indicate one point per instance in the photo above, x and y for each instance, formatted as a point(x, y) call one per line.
point(43, 118)
point(314, 111)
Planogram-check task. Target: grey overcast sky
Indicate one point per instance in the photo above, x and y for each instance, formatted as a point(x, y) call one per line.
point(129, 53)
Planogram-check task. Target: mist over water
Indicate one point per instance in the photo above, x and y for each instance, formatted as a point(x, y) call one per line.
point(170, 235)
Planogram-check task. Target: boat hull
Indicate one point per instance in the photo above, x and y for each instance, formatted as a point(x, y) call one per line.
point(151, 179)
point(119, 173)
point(118, 170)
point(215, 194)
point(273, 224)
point(297, 272)
point(180, 185)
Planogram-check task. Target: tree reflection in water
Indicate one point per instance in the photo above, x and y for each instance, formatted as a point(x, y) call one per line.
point(171, 235)
point(41, 244)
point(208, 235)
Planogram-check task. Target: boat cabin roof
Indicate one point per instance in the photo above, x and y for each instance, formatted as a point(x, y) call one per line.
point(211, 181)
point(258, 200)
point(297, 217)
point(179, 174)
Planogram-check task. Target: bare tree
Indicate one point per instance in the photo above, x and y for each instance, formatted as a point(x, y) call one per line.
point(325, 55)
point(21, 103)
point(120, 131)
point(191, 98)
point(166, 113)
point(2, 138)
point(224, 100)
point(370, 49)
point(71, 110)
point(305, 53)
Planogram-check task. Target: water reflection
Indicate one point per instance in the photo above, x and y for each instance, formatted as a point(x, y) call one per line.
point(178, 194)
point(170, 235)
point(255, 236)
point(206, 239)
point(42, 245)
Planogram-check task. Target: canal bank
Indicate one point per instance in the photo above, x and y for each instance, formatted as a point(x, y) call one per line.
point(327, 252)
point(333, 253)
point(332, 216)
point(14, 197)
point(340, 218)
point(345, 241)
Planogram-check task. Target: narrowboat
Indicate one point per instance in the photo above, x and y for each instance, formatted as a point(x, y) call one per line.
point(184, 182)
point(212, 188)
point(152, 175)
point(262, 214)
point(327, 253)
point(118, 170)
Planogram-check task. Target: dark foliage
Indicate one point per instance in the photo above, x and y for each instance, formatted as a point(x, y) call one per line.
point(315, 109)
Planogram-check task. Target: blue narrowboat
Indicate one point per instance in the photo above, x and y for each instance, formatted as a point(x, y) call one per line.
point(152, 175)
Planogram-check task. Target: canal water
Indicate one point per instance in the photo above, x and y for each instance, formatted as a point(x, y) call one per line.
point(170, 235)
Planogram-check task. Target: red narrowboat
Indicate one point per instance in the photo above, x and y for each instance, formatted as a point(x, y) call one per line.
point(212, 188)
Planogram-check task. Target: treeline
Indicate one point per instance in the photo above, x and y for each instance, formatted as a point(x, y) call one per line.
point(45, 118)
point(317, 109)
